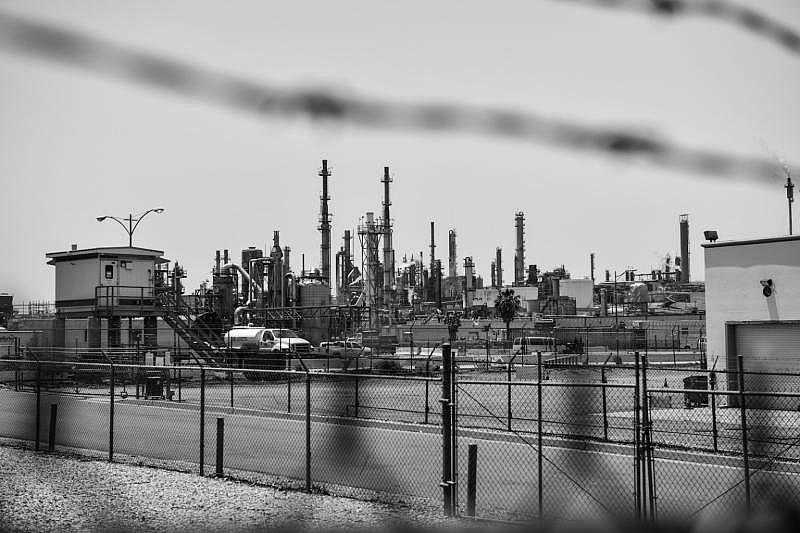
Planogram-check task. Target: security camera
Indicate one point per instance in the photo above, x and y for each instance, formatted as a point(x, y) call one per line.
point(767, 290)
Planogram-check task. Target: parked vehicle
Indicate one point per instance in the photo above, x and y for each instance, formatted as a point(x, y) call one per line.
point(531, 345)
point(344, 348)
point(264, 348)
point(275, 340)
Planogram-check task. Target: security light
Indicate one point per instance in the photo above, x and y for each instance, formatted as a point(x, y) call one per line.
point(710, 235)
point(767, 290)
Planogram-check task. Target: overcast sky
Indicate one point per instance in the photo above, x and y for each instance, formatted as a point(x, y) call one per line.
point(74, 145)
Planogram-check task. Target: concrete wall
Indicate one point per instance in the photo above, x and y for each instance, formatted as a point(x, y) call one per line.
point(734, 292)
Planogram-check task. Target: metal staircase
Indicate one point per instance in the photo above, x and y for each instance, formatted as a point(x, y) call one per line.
point(177, 315)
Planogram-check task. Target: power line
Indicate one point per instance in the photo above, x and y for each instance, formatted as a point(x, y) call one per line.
point(45, 41)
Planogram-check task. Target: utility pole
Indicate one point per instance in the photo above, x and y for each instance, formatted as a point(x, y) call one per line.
point(789, 195)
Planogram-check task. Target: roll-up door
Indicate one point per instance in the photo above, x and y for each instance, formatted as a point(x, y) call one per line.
point(774, 350)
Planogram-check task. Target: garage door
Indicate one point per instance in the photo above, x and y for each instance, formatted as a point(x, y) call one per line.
point(772, 349)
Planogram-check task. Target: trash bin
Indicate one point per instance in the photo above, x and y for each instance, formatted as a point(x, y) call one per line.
point(695, 399)
point(154, 387)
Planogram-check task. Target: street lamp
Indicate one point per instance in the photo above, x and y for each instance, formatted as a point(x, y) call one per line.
point(131, 227)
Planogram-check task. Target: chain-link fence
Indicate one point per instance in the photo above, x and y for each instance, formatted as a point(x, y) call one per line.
point(533, 441)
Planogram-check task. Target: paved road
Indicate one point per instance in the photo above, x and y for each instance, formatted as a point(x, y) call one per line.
point(403, 460)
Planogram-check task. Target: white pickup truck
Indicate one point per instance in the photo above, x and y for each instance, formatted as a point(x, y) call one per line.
point(275, 340)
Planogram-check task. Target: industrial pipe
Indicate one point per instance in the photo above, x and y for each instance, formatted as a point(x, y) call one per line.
point(237, 313)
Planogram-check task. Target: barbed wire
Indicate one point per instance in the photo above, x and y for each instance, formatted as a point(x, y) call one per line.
point(743, 17)
point(45, 41)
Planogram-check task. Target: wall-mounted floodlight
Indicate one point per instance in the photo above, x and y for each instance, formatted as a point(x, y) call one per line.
point(710, 235)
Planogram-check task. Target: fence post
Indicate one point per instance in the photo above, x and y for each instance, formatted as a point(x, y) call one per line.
point(38, 403)
point(220, 443)
point(356, 394)
point(540, 453)
point(111, 419)
point(202, 420)
point(51, 437)
point(636, 451)
point(308, 432)
point(447, 442)
point(603, 381)
point(743, 407)
point(231, 374)
point(472, 480)
point(508, 396)
point(713, 383)
point(649, 466)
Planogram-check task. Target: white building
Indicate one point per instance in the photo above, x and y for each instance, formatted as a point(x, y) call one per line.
point(753, 307)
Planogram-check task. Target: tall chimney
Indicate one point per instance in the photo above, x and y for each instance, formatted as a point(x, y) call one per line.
point(469, 286)
point(217, 260)
point(225, 259)
point(388, 253)
point(325, 224)
point(451, 254)
point(684, 224)
point(433, 249)
point(494, 273)
point(519, 252)
point(499, 267)
point(591, 266)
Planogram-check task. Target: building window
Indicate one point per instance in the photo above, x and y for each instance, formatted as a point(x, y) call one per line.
point(109, 271)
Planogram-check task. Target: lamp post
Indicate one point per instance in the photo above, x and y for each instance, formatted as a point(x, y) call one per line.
point(131, 227)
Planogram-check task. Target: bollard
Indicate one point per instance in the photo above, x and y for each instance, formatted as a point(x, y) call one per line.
point(743, 407)
point(427, 405)
point(220, 443)
point(356, 394)
point(231, 376)
point(51, 437)
point(38, 404)
point(472, 481)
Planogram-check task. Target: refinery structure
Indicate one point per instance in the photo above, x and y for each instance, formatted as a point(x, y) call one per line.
point(116, 297)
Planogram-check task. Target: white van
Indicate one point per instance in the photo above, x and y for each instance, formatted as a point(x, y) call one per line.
point(531, 345)
point(276, 340)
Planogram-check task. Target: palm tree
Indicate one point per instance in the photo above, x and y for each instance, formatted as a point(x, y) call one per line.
point(506, 306)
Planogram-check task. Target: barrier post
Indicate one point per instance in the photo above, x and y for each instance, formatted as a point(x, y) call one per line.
point(51, 437)
point(472, 482)
point(220, 443)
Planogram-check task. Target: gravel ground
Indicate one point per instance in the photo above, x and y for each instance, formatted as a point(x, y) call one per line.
point(62, 492)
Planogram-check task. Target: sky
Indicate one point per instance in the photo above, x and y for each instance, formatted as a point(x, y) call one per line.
point(76, 145)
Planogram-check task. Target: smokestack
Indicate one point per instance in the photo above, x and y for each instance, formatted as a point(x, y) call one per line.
point(554, 283)
point(684, 225)
point(388, 253)
point(494, 274)
point(591, 266)
point(519, 252)
point(499, 267)
point(433, 249)
point(217, 260)
point(469, 286)
point(451, 253)
point(225, 259)
point(325, 224)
